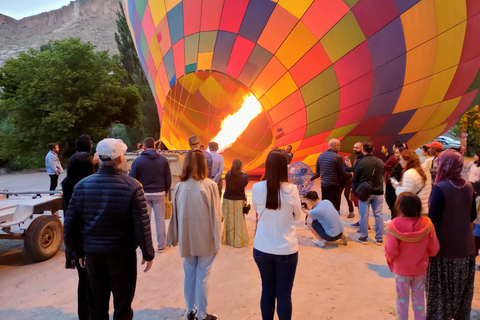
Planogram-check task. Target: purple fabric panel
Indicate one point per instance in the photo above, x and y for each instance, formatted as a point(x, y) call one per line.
point(404, 5)
point(223, 49)
point(387, 44)
point(373, 15)
point(383, 105)
point(256, 17)
point(396, 122)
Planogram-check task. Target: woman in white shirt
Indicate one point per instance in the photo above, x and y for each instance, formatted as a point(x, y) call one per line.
point(414, 179)
point(474, 168)
point(427, 164)
point(275, 248)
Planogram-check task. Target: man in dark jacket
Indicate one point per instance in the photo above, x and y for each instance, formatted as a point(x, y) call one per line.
point(80, 165)
point(153, 172)
point(331, 171)
point(370, 168)
point(105, 222)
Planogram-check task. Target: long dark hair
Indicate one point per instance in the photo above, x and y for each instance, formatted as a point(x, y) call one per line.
point(235, 173)
point(276, 172)
point(408, 204)
point(478, 161)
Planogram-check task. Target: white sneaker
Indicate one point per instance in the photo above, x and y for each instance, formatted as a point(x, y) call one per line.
point(319, 243)
point(344, 239)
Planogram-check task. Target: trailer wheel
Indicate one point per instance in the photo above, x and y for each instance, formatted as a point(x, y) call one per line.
point(43, 238)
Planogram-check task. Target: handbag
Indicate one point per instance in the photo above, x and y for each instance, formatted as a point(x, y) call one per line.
point(364, 190)
point(246, 208)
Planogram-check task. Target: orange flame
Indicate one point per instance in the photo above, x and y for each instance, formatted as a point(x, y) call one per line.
point(233, 125)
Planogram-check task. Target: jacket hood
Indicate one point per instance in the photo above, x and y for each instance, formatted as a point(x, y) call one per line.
point(151, 154)
point(409, 229)
point(84, 143)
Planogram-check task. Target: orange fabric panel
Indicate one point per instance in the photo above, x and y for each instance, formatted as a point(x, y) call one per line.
point(278, 27)
point(273, 71)
point(420, 17)
point(298, 42)
point(419, 119)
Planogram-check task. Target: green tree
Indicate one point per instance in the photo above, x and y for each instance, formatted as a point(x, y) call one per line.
point(59, 93)
point(149, 125)
point(470, 122)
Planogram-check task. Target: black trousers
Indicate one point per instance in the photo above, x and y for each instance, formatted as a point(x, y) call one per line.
point(115, 273)
point(334, 194)
point(82, 292)
point(53, 181)
point(346, 192)
point(390, 197)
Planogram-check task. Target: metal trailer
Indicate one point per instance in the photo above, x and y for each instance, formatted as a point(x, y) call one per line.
point(44, 235)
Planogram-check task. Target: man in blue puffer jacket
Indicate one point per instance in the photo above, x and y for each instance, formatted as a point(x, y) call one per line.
point(105, 222)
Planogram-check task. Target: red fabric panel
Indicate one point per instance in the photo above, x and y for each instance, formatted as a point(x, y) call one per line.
point(191, 16)
point(372, 15)
point(353, 65)
point(162, 77)
point(291, 123)
point(289, 105)
point(471, 47)
point(473, 7)
point(163, 34)
point(310, 65)
point(463, 105)
point(179, 58)
point(239, 56)
point(211, 12)
point(232, 15)
point(352, 115)
point(151, 66)
point(357, 91)
point(463, 78)
point(322, 15)
point(291, 137)
point(314, 140)
point(369, 127)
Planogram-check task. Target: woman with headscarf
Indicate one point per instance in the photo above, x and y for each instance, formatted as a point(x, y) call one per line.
point(80, 165)
point(235, 232)
point(451, 274)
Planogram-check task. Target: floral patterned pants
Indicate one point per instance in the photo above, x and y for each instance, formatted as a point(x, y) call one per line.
point(417, 286)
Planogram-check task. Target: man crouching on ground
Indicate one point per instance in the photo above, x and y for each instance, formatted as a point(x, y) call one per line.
point(323, 220)
point(106, 219)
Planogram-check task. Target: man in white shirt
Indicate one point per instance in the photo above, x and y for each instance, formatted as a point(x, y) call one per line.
point(217, 166)
point(323, 220)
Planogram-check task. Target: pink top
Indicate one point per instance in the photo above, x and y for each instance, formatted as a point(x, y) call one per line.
point(409, 243)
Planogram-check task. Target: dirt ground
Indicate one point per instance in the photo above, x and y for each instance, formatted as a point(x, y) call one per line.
point(335, 282)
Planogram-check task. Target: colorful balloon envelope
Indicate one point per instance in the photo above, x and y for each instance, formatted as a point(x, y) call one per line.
point(356, 70)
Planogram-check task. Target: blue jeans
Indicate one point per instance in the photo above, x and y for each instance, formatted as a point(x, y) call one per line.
point(376, 201)
point(277, 273)
point(157, 203)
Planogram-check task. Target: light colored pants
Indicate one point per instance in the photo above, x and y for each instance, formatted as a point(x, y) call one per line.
point(156, 202)
point(417, 286)
point(197, 272)
point(376, 201)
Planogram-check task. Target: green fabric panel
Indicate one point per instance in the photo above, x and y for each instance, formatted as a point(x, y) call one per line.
point(320, 126)
point(475, 83)
point(145, 48)
point(343, 37)
point(349, 141)
point(190, 67)
point(323, 107)
point(191, 49)
point(207, 41)
point(343, 131)
point(140, 5)
point(350, 3)
point(320, 86)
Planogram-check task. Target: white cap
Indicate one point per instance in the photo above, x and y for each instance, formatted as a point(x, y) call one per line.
point(109, 149)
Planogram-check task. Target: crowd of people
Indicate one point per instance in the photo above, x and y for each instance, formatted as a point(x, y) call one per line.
point(429, 243)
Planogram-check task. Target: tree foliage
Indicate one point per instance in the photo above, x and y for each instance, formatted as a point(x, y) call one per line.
point(149, 125)
point(470, 122)
point(59, 93)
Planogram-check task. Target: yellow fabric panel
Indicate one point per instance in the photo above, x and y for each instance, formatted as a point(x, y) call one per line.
point(159, 90)
point(349, 141)
point(156, 52)
point(322, 125)
point(419, 119)
point(298, 42)
point(158, 10)
point(304, 152)
point(421, 61)
point(190, 82)
point(204, 60)
point(343, 37)
point(171, 3)
point(324, 107)
point(296, 7)
point(450, 13)
point(212, 91)
point(311, 160)
point(425, 135)
point(278, 27)
point(207, 42)
point(282, 89)
point(438, 87)
point(412, 95)
point(269, 75)
point(342, 131)
point(449, 50)
point(419, 23)
point(266, 104)
point(444, 110)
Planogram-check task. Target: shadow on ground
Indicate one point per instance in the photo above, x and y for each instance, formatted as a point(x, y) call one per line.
point(383, 271)
point(52, 313)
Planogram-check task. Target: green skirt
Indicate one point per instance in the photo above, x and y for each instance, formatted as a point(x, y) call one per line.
point(235, 232)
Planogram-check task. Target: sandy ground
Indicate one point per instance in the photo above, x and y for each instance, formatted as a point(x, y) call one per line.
point(335, 282)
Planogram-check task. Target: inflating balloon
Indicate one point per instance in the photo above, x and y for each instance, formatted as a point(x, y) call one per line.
point(353, 70)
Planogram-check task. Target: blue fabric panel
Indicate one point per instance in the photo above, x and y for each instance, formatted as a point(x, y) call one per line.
point(175, 22)
point(404, 5)
point(172, 81)
point(169, 64)
point(387, 44)
point(395, 123)
point(131, 11)
point(256, 17)
point(223, 49)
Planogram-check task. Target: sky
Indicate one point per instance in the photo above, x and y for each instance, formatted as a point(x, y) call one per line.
point(19, 9)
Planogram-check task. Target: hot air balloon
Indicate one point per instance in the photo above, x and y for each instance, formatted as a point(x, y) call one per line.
point(307, 71)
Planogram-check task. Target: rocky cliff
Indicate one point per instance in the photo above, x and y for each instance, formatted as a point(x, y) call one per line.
point(89, 20)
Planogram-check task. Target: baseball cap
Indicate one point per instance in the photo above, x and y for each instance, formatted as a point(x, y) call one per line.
point(436, 145)
point(193, 140)
point(109, 149)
